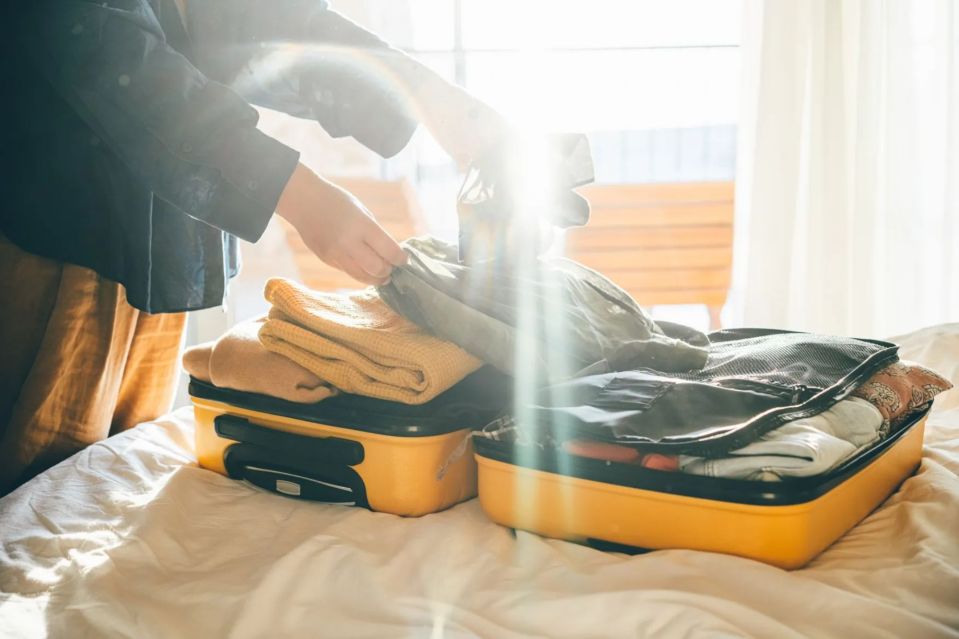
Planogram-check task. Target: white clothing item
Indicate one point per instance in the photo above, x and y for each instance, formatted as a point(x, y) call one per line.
point(801, 448)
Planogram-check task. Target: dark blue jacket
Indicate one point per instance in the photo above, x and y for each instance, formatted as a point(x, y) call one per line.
point(128, 143)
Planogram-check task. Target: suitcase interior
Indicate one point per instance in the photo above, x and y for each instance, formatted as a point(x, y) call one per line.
point(784, 523)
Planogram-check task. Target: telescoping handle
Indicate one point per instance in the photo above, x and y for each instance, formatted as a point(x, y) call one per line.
point(314, 468)
point(321, 449)
point(260, 466)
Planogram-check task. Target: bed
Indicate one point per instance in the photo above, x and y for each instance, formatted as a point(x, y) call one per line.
point(131, 539)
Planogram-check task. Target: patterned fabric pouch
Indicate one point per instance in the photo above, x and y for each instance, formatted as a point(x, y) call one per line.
point(901, 388)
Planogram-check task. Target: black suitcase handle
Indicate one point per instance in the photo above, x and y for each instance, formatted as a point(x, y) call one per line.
point(319, 449)
point(295, 476)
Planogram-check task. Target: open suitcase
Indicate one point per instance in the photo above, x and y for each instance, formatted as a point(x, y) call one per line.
point(350, 450)
point(784, 523)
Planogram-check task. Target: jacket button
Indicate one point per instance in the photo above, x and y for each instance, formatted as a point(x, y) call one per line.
point(252, 184)
point(186, 148)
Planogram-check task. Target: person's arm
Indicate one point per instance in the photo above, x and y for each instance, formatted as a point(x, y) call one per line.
point(191, 140)
point(465, 126)
point(300, 57)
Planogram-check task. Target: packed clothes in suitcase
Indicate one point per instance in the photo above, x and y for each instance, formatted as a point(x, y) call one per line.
point(638, 433)
point(590, 421)
point(754, 382)
point(784, 523)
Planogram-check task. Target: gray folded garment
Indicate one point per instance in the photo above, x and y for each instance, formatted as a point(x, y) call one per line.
point(547, 318)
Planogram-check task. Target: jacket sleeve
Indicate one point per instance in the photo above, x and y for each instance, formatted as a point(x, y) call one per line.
point(302, 58)
point(191, 140)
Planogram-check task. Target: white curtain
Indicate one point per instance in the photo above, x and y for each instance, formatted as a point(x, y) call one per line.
point(848, 177)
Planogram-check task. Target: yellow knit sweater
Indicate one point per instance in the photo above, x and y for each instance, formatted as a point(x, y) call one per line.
point(360, 345)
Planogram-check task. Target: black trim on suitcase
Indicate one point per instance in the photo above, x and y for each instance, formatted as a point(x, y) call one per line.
point(612, 546)
point(295, 476)
point(319, 449)
point(473, 403)
point(781, 493)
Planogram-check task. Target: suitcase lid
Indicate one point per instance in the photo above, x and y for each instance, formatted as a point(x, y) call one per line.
point(788, 491)
point(475, 401)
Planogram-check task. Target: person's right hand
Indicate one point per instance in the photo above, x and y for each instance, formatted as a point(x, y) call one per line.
point(338, 228)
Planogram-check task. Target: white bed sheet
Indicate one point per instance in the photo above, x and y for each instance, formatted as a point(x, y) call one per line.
point(131, 539)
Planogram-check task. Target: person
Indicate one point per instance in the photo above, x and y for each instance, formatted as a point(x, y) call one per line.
point(133, 163)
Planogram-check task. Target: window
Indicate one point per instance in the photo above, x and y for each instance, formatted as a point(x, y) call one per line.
point(655, 84)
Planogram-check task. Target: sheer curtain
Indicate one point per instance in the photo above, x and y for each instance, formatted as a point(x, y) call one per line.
point(848, 180)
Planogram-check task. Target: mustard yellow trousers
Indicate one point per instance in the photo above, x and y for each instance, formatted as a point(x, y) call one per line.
point(78, 362)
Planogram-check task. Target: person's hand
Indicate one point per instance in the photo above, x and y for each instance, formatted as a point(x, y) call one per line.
point(338, 228)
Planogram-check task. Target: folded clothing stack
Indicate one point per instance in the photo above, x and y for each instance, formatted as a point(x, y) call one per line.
point(240, 362)
point(442, 322)
point(358, 344)
point(314, 344)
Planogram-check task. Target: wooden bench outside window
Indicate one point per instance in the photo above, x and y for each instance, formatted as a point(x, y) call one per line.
point(663, 243)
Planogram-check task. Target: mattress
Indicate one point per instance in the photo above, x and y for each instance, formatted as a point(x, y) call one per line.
point(130, 538)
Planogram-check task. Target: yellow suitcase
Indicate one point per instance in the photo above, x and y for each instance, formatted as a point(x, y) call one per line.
point(784, 523)
point(389, 457)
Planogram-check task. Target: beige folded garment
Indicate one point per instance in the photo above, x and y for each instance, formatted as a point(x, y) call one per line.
point(239, 361)
point(358, 344)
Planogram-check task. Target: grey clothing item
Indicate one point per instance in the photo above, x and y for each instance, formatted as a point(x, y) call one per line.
point(542, 321)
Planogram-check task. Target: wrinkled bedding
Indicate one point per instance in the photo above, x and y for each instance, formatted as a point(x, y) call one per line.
point(131, 539)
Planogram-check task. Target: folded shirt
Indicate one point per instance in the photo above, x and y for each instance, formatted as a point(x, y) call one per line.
point(801, 448)
point(239, 361)
point(358, 344)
